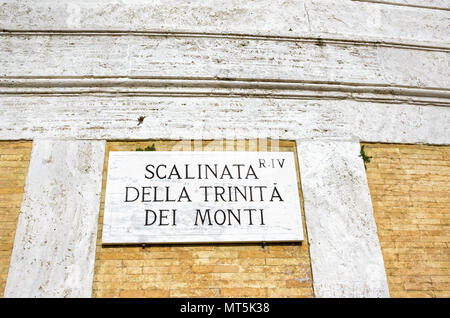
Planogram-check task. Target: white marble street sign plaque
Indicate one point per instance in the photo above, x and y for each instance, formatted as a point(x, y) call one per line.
point(191, 197)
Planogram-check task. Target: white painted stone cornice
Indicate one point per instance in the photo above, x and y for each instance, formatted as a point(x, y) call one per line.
point(104, 117)
point(422, 4)
point(314, 38)
point(397, 20)
point(204, 87)
point(259, 60)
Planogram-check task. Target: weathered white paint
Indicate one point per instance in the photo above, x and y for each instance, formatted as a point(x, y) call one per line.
point(171, 197)
point(375, 19)
point(296, 18)
point(346, 257)
point(99, 117)
point(50, 56)
point(424, 4)
point(54, 247)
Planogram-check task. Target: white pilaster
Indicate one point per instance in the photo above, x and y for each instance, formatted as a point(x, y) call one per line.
point(54, 247)
point(345, 251)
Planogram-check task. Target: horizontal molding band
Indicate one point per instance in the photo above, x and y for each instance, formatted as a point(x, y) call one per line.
point(105, 117)
point(311, 96)
point(400, 4)
point(141, 56)
point(221, 87)
point(317, 39)
point(299, 18)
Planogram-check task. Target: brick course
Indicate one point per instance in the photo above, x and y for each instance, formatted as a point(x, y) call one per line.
point(202, 270)
point(410, 189)
point(14, 160)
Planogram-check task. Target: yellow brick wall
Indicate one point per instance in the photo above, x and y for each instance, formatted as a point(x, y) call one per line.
point(410, 189)
point(14, 160)
point(219, 270)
